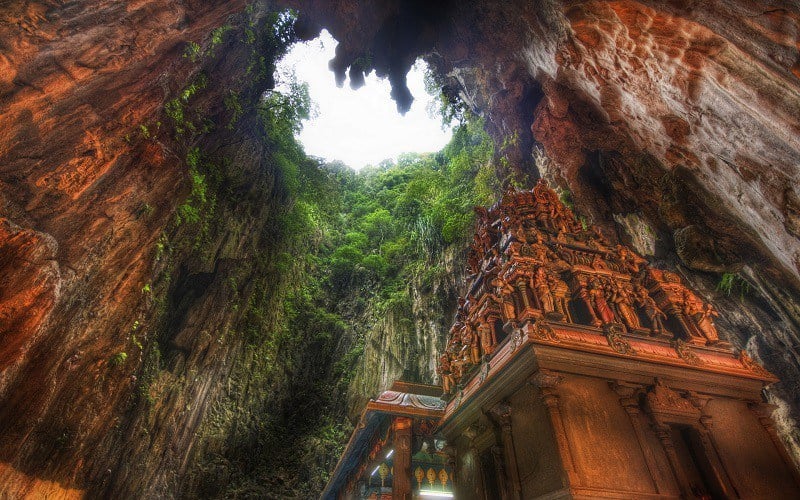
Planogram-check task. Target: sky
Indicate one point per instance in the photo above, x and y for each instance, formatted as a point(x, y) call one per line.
point(360, 127)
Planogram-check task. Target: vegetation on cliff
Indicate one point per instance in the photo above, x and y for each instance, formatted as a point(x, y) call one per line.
point(356, 244)
point(272, 272)
point(188, 296)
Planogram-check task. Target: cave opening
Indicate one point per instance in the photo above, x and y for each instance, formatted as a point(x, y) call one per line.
point(197, 302)
point(357, 121)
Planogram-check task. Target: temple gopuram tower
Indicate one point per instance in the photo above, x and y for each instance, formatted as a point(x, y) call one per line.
point(573, 369)
point(576, 370)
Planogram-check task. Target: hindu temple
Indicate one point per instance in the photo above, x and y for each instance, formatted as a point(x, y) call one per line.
point(573, 369)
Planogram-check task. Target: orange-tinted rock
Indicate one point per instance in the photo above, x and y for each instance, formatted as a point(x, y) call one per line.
point(84, 196)
point(681, 84)
point(31, 285)
point(683, 112)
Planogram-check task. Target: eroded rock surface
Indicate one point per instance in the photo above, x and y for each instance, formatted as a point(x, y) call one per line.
point(684, 113)
point(633, 101)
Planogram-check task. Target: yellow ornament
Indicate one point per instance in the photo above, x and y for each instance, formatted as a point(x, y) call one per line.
point(383, 471)
point(419, 474)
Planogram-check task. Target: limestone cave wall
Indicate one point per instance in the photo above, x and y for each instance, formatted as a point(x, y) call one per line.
point(125, 354)
point(673, 124)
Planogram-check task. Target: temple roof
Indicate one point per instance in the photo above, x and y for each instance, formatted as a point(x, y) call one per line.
point(420, 404)
point(537, 274)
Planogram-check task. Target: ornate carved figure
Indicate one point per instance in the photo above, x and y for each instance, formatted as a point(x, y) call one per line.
point(445, 373)
point(651, 310)
point(691, 304)
point(457, 367)
point(454, 341)
point(630, 261)
point(473, 263)
point(471, 350)
point(505, 292)
point(461, 312)
point(598, 300)
point(624, 305)
point(560, 291)
point(705, 323)
point(698, 317)
point(487, 338)
point(539, 284)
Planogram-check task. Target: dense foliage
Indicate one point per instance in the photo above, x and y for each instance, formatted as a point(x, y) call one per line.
point(325, 248)
point(360, 241)
point(397, 215)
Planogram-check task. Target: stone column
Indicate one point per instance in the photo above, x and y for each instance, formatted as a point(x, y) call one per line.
point(501, 414)
point(665, 435)
point(401, 483)
point(628, 401)
point(500, 470)
point(546, 382)
point(471, 433)
point(717, 465)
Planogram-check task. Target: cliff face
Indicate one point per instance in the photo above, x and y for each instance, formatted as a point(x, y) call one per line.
point(404, 341)
point(125, 362)
point(126, 288)
point(676, 120)
point(634, 96)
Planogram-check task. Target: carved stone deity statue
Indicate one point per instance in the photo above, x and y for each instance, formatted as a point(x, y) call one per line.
point(454, 338)
point(457, 367)
point(471, 350)
point(624, 304)
point(445, 371)
point(630, 261)
point(473, 262)
point(701, 315)
point(651, 310)
point(504, 292)
point(690, 303)
point(705, 323)
point(602, 310)
point(487, 338)
point(539, 283)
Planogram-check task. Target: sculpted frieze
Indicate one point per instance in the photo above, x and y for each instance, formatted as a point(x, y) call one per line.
point(532, 263)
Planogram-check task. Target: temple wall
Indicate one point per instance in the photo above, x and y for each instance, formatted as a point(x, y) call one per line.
point(540, 467)
point(755, 465)
point(602, 440)
point(604, 452)
point(468, 473)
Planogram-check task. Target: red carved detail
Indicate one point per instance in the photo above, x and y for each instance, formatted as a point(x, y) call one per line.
point(537, 273)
